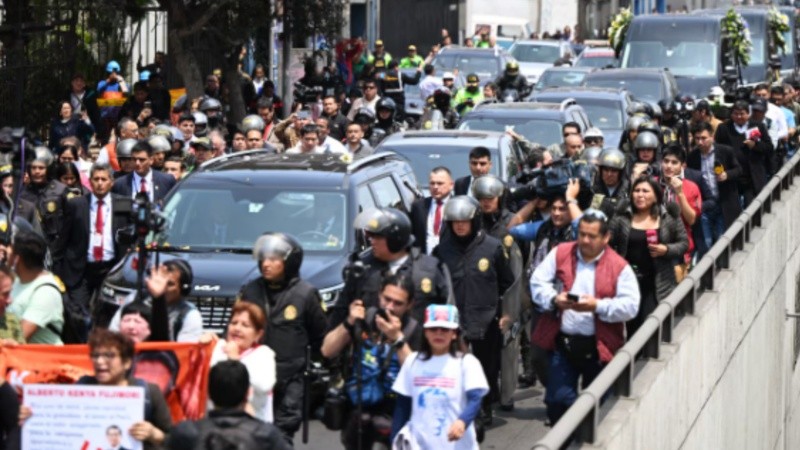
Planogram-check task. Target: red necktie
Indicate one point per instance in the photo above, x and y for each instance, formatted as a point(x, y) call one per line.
point(437, 218)
point(143, 186)
point(98, 228)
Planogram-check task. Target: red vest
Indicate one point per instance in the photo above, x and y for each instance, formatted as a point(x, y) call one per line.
point(610, 336)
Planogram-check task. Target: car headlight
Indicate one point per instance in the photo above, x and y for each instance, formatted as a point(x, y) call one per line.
point(331, 294)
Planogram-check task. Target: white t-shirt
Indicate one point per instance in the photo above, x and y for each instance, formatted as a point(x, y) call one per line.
point(260, 363)
point(437, 388)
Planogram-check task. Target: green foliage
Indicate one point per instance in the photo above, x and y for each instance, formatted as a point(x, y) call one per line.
point(738, 34)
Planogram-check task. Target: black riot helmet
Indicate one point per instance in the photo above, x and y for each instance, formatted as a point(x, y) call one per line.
point(20, 224)
point(461, 208)
point(283, 246)
point(386, 104)
point(390, 223)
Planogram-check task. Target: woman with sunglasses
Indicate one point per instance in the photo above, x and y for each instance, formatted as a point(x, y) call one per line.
point(653, 240)
point(440, 388)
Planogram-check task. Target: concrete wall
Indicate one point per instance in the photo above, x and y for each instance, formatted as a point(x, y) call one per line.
point(729, 379)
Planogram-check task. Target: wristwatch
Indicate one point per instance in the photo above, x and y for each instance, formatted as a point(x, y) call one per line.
point(572, 201)
point(399, 343)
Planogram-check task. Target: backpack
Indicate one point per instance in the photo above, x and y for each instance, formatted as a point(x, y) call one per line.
point(227, 434)
point(75, 327)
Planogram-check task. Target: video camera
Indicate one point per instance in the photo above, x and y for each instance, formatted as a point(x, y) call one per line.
point(684, 107)
point(306, 94)
point(548, 182)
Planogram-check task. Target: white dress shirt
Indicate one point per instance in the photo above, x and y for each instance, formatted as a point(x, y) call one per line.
point(779, 128)
point(394, 265)
point(432, 240)
point(137, 184)
point(331, 145)
point(621, 308)
point(107, 237)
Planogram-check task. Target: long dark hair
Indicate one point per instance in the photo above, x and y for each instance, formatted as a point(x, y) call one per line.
point(654, 210)
point(457, 347)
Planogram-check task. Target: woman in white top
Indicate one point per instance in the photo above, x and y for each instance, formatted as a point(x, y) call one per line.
point(439, 388)
point(244, 334)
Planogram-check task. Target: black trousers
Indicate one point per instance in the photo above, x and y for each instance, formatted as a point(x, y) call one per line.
point(79, 303)
point(487, 350)
point(288, 405)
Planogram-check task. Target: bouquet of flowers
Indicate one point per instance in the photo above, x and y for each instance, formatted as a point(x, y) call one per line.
point(618, 30)
point(778, 25)
point(738, 33)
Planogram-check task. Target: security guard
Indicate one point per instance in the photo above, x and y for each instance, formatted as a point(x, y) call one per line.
point(125, 157)
point(469, 96)
point(412, 60)
point(25, 209)
point(161, 147)
point(295, 320)
point(489, 191)
point(380, 57)
point(611, 186)
point(646, 156)
point(512, 79)
point(481, 276)
point(389, 233)
point(386, 110)
point(49, 197)
point(366, 118)
point(439, 113)
point(631, 131)
point(391, 83)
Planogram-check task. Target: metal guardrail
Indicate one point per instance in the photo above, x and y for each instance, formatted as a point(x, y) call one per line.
point(583, 417)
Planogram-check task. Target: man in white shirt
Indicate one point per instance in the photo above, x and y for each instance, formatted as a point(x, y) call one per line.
point(430, 83)
point(309, 141)
point(369, 100)
point(776, 126)
point(328, 144)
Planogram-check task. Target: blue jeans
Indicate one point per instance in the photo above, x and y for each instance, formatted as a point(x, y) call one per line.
point(562, 383)
point(713, 223)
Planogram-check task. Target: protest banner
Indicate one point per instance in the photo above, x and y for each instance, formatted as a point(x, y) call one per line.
point(179, 369)
point(70, 417)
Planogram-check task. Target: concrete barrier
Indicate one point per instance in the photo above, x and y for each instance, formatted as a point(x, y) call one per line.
point(729, 379)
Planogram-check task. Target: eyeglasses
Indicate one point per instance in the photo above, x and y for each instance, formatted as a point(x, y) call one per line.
point(103, 355)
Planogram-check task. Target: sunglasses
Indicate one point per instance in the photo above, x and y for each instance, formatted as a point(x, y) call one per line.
point(596, 214)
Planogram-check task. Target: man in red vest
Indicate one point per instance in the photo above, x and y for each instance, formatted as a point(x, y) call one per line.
point(587, 291)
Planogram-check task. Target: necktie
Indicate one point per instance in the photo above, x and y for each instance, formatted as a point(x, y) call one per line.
point(437, 218)
point(98, 228)
point(143, 186)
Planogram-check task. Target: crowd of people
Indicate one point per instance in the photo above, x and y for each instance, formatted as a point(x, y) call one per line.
point(425, 338)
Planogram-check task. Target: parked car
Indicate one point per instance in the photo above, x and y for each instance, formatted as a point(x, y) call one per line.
point(255, 192)
point(536, 56)
point(562, 76)
point(607, 108)
point(644, 84)
point(538, 122)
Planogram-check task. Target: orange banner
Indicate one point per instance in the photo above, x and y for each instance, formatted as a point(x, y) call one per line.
point(180, 369)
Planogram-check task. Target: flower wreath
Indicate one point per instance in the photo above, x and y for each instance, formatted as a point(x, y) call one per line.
point(778, 25)
point(618, 30)
point(738, 34)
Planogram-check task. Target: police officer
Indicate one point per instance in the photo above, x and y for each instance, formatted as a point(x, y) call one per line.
point(379, 58)
point(512, 79)
point(489, 191)
point(439, 113)
point(387, 112)
point(389, 233)
point(125, 157)
point(24, 209)
point(212, 108)
point(646, 156)
point(469, 96)
point(481, 275)
point(392, 82)
point(161, 146)
point(295, 320)
point(366, 118)
point(611, 186)
point(49, 197)
point(631, 131)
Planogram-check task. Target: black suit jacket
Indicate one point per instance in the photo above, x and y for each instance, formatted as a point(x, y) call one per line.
point(462, 185)
point(77, 226)
point(419, 222)
point(754, 162)
point(162, 184)
point(729, 189)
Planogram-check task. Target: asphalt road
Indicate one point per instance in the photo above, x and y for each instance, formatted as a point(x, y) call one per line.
point(518, 429)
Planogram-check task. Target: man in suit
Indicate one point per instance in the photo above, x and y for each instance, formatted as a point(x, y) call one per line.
point(426, 213)
point(749, 138)
point(480, 163)
point(143, 179)
point(114, 436)
point(721, 171)
point(91, 244)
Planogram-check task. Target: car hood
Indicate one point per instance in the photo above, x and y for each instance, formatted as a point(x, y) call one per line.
point(533, 68)
point(219, 274)
point(699, 87)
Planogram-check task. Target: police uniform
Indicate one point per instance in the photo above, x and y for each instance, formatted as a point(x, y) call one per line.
point(50, 200)
point(295, 319)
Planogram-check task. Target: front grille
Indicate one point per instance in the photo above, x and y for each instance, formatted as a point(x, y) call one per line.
point(216, 311)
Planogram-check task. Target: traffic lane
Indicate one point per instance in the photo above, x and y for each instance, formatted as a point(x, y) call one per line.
point(517, 429)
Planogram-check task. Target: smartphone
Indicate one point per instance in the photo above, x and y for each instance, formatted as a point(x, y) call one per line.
point(573, 298)
point(148, 104)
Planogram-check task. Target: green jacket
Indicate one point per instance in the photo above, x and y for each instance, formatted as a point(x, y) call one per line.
point(459, 101)
point(411, 63)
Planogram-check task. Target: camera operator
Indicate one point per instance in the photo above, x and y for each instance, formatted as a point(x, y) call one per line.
point(295, 320)
point(481, 276)
point(50, 198)
point(489, 191)
point(389, 335)
point(389, 233)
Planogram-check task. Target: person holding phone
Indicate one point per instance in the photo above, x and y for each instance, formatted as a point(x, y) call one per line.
point(652, 238)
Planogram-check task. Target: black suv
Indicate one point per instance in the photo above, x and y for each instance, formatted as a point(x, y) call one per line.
point(644, 84)
point(215, 215)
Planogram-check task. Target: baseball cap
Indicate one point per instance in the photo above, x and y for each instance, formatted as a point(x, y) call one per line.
point(759, 104)
point(202, 142)
point(412, 47)
point(379, 43)
point(593, 132)
point(448, 76)
point(441, 316)
point(472, 78)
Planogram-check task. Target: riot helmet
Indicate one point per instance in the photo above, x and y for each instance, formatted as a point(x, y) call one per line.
point(612, 158)
point(125, 148)
point(592, 154)
point(43, 154)
point(200, 124)
point(252, 122)
point(487, 186)
point(159, 143)
point(364, 116)
point(283, 246)
point(390, 223)
point(386, 104)
point(646, 139)
point(634, 122)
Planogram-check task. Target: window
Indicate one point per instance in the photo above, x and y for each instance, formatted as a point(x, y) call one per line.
point(365, 200)
point(386, 193)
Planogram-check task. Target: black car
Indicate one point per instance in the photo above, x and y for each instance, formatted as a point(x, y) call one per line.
point(450, 148)
point(645, 84)
point(538, 122)
point(608, 109)
point(216, 214)
point(562, 76)
point(487, 63)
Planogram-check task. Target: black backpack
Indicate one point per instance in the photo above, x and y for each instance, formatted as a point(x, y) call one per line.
point(226, 433)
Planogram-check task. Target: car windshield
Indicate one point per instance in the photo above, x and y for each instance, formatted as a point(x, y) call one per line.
point(536, 53)
point(485, 66)
point(596, 61)
point(242, 212)
point(557, 78)
point(540, 131)
point(689, 59)
point(424, 158)
point(606, 115)
point(641, 88)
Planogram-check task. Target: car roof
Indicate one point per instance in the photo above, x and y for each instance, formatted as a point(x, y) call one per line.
point(471, 50)
point(582, 92)
point(520, 109)
point(571, 69)
point(471, 138)
point(638, 72)
point(598, 51)
point(547, 43)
